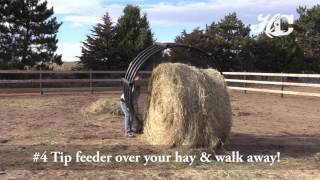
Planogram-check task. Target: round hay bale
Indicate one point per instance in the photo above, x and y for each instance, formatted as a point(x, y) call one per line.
point(187, 106)
point(103, 106)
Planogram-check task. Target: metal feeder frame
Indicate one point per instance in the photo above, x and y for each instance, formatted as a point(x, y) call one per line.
point(142, 57)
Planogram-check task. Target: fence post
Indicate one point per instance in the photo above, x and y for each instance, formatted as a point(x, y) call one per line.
point(91, 88)
point(40, 76)
point(245, 84)
point(282, 86)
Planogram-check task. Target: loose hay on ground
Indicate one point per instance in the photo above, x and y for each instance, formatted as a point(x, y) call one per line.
point(103, 106)
point(187, 106)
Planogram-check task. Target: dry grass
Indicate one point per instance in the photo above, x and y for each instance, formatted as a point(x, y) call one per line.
point(66, 66)
point(103, 106)
point(187, 106)
point(59, 122)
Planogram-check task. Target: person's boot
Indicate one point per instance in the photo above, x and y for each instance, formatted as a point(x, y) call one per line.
point(137, 125)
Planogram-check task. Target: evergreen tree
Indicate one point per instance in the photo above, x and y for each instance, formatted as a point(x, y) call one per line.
point(228, 40)
point(298, 52)
point(31, 34)
point(282, 54)
point(6, 35)
point(133, 34)
point(98, 51)
point(308, 27)
point(197, 38)
point(114, 47)
point(308, 36)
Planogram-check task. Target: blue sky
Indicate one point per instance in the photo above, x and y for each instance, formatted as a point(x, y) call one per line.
point(167, 18)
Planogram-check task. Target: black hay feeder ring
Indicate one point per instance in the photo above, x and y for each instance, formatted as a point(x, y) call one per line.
point(143, 56)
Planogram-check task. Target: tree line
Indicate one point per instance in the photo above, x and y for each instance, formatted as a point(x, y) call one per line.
point(114, 46)
point(234, 49)
point(28, 36)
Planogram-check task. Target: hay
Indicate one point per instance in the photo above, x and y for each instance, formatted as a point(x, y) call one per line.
point(103, 106)
point(187, 106)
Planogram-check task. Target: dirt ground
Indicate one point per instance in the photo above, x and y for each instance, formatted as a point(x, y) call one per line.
point(262, 123)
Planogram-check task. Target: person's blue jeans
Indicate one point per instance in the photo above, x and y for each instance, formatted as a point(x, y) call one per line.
point(127, 118)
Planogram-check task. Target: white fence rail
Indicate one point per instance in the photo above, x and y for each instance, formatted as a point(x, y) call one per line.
point(273, 83)
point(281, 83)
point(246, 79)
point(272, 74)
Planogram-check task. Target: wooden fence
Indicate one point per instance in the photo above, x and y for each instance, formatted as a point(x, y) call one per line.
point(88, 82)
point(240, 81)
point(244, 81)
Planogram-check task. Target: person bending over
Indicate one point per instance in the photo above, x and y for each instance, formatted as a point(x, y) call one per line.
point(128, 131)
point(127, 118)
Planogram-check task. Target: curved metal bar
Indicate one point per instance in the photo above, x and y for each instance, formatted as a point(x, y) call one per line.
point(137, 62)
point(141, 54)
point(132, 68)
point(206, 54)
point(136, 66)
point(129, 78)
point(142, 57)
